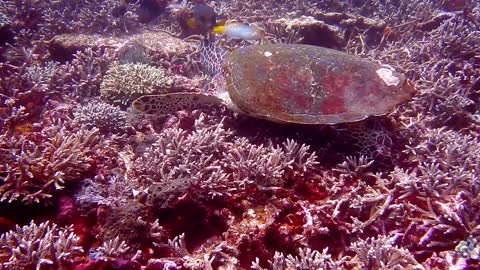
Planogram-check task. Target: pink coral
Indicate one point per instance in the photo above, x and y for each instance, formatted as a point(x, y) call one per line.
point(44, 158)
point(208, 189)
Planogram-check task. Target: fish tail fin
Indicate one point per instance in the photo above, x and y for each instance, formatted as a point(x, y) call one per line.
point(218, 29)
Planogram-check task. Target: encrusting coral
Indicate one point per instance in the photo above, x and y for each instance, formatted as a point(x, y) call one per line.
point(210, 189)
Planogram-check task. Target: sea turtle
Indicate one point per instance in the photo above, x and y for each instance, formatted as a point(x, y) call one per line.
point(293, 83)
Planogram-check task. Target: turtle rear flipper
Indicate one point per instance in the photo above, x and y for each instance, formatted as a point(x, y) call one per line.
point(173, 102)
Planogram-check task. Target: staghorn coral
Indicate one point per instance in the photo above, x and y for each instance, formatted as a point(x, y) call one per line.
point(20, 97)
point(42, 162)
point(85, 72)
point(306, 259)
point(447, 163)
point(48, 18)
point(41, 73)
point(208, 159)
point(108, 16)
point(112, 248)
point(381, 253)
point(124, 82)
point(39, 246)
point(257, 164)
point(442, 61)
point(114, 190)
point(4, 20)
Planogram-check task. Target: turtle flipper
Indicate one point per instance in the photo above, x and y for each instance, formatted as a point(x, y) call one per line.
point(173, 102)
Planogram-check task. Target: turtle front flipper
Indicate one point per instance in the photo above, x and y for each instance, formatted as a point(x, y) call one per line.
point(173, 102)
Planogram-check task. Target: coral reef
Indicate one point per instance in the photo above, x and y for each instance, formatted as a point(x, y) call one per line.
point(208, 159)
point(102, 187)
point(39, 246)
point(125, 82)
point(38, 161)
point(99, 115)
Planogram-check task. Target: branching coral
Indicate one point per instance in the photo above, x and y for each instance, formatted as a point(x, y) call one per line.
point(124, 82)
point(48, 18)
point(381, 253)
point(36, 165)
point(442, 61)
point(20, 97)
point(108, 16)
point(306, 259)
point(41, 74)
point(85, 72)
point(37, 246)
point(97, 114)
point(112, 248)
point(210, 161)
point(447, 162)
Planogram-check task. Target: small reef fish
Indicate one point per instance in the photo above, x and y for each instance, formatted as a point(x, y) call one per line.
point(203, 18)
point(239, 31)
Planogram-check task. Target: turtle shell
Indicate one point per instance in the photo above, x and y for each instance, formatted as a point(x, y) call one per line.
point(306, 84)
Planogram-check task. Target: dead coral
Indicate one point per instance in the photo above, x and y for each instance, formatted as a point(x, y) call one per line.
point(126, 228)
point(37, 246)
point(306, 30)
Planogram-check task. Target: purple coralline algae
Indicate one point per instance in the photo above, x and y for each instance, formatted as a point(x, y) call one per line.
point(88, 183)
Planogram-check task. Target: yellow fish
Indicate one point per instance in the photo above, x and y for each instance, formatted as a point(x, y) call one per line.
point(238, 30)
